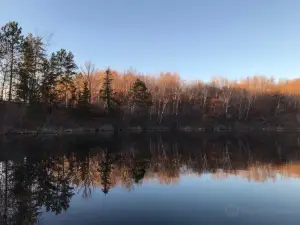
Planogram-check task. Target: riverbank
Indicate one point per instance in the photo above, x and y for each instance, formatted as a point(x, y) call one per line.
point(138, 129)
point(18, 119)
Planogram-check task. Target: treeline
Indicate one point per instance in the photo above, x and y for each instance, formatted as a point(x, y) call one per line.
point(32, 76)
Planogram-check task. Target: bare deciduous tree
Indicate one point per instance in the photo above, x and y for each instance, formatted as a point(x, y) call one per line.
point(88, 72)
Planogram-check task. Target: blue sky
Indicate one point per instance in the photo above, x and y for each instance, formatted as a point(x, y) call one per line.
point(197, 38)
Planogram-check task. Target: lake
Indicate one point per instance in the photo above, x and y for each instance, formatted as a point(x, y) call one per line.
point(166, 178)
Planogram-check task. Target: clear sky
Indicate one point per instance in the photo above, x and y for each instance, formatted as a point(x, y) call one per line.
point(197, 38)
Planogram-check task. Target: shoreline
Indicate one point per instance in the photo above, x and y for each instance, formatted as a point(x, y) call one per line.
point(138, 129)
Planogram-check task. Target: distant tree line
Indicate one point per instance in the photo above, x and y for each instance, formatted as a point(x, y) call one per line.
point(31, 75)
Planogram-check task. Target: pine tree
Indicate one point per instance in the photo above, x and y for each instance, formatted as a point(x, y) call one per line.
point(66, 70)
point(11, 41)
point(84, 98)
point(140, 97)
point(49, 80)
point(60, 69)
point(30, 70)
point(107, 94)
point(39, 58)
point(26, 71)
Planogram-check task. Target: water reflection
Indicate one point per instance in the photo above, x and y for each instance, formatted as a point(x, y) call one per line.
point(39, 175)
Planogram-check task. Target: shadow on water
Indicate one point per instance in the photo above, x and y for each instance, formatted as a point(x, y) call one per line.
point(43, 174)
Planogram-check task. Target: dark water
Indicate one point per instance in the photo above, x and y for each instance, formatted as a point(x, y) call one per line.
point(151, 179)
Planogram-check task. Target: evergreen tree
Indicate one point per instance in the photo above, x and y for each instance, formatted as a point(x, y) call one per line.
point(66, 71)
point(84, 97)
point(59, 70)
point(11, 42)
point(39, 57)
point(140, 97)
point(107, 94)
point(30, 69)
point(26, 71)
point(49, 80)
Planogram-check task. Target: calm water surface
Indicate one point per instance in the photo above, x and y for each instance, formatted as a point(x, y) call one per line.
point(151, 179)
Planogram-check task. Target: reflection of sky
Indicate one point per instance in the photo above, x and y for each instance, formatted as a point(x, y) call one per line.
point(193, 200)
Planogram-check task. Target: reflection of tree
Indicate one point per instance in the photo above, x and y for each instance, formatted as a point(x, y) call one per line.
point(84, 170)
point(29, 186)
point(86, 177)
point(139, 170)
point(6, 196)
point(105, 171)
point(26, 198)
point(53, 184)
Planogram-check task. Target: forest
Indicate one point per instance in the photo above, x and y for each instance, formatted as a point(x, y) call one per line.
point(42, 90)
